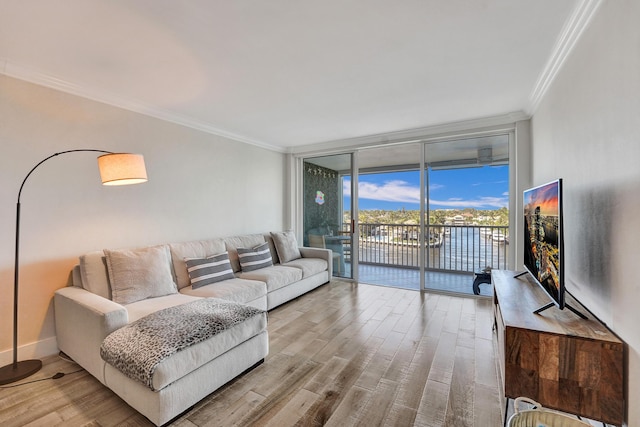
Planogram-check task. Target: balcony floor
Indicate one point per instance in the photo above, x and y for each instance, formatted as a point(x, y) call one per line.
point(461, 283)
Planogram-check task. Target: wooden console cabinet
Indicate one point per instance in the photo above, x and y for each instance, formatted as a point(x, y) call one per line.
point(556, 358)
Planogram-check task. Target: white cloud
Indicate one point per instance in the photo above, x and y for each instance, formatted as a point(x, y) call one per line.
point(389, 191)
point(476, 184)
point(480, 203)
point(403, 192)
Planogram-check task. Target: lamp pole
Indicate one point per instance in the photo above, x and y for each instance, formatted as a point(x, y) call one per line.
point(19, 370)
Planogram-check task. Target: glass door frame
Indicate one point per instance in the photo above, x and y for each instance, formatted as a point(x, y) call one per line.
point(424, 217)
point(518, 143)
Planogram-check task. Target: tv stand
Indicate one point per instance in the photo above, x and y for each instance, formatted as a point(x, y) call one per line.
point(558, 360)
point(552, 304)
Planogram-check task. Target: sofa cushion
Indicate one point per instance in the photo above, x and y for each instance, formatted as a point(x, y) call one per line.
point(276, 276)
point(309, 266)
point(236, 290)
point(93, 271)
point(254, 258)
point(210, 270)
point(137, 274)
point(195, 249)
point(139, 309)
point(246, 241)
point(286, 246)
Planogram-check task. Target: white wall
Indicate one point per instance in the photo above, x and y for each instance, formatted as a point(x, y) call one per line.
point(520, 180)
point(200, 186)
point(586, 130)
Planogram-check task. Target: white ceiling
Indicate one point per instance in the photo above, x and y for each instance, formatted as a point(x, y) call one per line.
point(285, 74)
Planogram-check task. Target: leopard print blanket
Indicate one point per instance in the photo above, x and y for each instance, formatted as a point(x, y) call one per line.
point(139, 347)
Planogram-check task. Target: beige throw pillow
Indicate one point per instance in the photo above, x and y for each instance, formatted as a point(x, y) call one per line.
point(93, 270)
point(137, 274)
point(286, 246)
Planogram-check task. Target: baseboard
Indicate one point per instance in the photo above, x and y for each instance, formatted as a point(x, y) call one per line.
point(34, 350)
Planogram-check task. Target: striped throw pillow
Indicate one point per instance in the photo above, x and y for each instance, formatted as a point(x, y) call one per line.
point(255, 258)
point(205, 271)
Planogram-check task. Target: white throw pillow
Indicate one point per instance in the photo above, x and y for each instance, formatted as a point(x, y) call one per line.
point(286, 246)
point(137, 274)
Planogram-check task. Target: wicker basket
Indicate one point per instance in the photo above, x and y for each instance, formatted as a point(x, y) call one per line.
point(541, 417)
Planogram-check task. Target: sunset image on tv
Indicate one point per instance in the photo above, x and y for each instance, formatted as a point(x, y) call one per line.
point(542, 236)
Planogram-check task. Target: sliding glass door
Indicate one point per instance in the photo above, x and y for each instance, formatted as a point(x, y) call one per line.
point(328, 223)
point(390, 223)
point(467, 199)
point(419, 215)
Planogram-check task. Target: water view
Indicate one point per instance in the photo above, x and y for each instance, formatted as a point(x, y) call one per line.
point(455, 244)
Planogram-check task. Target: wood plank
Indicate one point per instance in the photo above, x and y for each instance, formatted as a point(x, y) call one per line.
point(386, 326)
point(487, 409)
point(212, 416)
point(484, 318)
point(326, 375)
point(412, 386)
point(432, 411)
point(400, 415)
point(452, 318)
point(442, 366)
point(401, 362)
point(409, 316)
point(353, 401)
point(435, 324)
point(375, 411)
point(344, 339)
point(486, 373)
point(380, 361)
point(462, 390)
point(277, 397)
point(294, 409)
point(334, 392)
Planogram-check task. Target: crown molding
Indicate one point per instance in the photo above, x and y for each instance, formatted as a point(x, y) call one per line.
point(30, 75)
point(573, 29)
point(474, 127)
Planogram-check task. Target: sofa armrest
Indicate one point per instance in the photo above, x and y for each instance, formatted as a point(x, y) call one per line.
point(325, 254)
point(83, 320)
point(321, 253)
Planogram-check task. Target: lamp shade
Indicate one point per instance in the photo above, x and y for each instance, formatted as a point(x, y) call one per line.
point(122, 169)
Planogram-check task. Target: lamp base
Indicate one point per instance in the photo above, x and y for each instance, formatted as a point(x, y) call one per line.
point(17, 371)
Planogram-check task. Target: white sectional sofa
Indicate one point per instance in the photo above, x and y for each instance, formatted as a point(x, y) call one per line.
point(114, 291)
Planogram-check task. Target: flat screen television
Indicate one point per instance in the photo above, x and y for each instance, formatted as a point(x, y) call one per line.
point(544, 242)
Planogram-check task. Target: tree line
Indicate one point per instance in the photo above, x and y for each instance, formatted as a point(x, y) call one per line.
point(498, 217)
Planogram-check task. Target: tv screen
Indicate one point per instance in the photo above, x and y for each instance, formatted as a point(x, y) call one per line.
point(543, 242)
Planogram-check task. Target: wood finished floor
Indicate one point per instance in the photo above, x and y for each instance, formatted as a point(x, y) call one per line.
point(345, 354)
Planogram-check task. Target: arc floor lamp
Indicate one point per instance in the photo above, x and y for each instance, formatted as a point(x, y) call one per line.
point(115, 169)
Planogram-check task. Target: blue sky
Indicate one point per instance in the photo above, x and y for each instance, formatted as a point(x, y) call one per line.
point(481, 188)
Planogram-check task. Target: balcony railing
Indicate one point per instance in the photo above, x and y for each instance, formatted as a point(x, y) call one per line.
point(459, 248)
